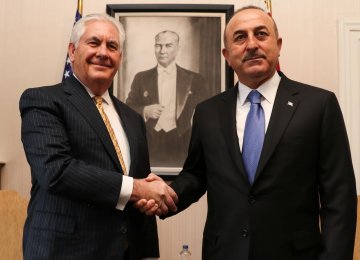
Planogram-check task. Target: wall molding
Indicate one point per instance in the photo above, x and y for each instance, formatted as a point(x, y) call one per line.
point(349, 85)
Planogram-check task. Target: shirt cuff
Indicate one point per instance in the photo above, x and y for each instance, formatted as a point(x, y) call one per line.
point(125, 192)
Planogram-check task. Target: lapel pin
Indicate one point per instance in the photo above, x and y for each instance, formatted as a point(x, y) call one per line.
point(290, 103)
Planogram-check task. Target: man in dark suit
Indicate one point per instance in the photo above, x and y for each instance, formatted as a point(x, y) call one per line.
point(84, 179)
point(166, 96)
point(304, 172)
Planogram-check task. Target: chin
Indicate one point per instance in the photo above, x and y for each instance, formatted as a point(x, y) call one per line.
point(101, 74)
point(256, 71)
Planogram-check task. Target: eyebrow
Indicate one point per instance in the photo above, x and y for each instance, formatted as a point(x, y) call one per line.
point(97, 39)
point(92, 38)
point(114, 42)
point(257, 28)
point(261, 27)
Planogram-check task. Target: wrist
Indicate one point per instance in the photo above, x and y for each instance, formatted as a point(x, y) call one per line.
point(136, 192)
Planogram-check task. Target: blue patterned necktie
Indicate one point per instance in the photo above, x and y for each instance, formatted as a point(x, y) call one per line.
point(253, 135)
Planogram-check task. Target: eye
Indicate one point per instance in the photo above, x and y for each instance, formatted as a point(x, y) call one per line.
point(261, 34)
point(93, 42)
point(240, 37)
point(113, 47)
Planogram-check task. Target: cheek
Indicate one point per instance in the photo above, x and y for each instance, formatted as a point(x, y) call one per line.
point(237, 51)
point(236, 56)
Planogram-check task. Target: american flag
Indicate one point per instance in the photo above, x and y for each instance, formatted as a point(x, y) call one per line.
point(67, 69)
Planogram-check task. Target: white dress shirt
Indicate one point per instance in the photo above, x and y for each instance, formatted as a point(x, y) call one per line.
point(167, 97)
point(268, 92)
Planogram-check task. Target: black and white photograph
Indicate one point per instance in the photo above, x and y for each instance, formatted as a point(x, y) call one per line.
point(172, 61)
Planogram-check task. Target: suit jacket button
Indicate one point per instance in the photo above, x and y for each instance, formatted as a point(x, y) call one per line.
point(123, 229)
point(252, 199)
point(244, 233)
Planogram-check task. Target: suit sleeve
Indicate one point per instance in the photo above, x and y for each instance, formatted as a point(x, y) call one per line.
point(337, 187)
point(49, 152)
point(190, 184)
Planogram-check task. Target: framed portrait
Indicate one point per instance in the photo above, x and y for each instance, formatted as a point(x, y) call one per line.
point(171, 61)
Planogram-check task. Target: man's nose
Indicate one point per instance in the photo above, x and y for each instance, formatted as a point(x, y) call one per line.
point(163, 49)
point(252, 42)
point(102, 50)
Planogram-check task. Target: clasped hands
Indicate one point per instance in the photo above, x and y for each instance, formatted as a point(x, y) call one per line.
point(153, 196)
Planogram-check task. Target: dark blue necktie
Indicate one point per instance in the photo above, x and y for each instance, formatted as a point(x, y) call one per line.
point(253, 135)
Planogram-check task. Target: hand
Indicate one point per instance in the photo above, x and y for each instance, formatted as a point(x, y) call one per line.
point(153, 196)
point(149, 207)
point(153, 111)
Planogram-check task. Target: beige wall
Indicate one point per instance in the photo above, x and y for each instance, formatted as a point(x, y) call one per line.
point(33, 39)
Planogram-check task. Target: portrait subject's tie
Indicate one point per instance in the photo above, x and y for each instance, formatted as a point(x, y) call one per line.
point(253, 135)
point(99, 105)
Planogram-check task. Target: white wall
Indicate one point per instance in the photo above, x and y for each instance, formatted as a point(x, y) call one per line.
point(33, 41)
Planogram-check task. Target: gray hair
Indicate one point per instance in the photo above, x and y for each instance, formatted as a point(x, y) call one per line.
point(79, 27)
point(168, 31)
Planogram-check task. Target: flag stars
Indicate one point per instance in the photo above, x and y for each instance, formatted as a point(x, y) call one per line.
point(67, 74)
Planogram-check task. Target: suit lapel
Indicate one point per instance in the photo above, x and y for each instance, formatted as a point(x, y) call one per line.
point(82, 101)
point(152, 88)
point(227, 114)
point(183, 89)
point(283, 110)
point(125, 123)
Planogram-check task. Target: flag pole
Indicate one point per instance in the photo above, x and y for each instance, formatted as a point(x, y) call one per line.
point(268, 6)
point(80, 7)
point(67, 69)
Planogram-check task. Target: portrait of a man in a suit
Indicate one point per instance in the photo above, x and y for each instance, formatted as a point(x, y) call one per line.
point(166, 96)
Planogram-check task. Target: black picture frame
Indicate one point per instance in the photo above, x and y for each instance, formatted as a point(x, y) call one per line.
point(200, 27)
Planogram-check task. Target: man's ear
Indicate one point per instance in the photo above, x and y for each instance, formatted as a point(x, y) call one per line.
point(225, 53)
point(279, 43)
point(71, 51)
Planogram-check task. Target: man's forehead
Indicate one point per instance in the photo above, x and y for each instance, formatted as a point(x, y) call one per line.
point(98, 31)
point(250, 16)
point(101, 26)
point(166, 37)
point(250, 19)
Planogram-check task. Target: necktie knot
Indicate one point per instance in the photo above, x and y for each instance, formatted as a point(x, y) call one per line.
point(98, 100)
point(254, 97)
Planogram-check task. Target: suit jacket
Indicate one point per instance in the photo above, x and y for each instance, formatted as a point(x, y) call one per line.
point(190, 90)
point(76, 178)
point(305, 171)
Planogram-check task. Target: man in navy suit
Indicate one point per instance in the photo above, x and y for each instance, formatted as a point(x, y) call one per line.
point(81, 195)
point(166, 96)
point(301, 202)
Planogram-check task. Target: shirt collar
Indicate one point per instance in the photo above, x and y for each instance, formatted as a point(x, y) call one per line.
point(171, 68)
point(268, 89)
point(105, 96)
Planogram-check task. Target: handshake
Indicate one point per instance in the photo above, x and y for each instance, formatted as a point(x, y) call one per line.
point(153, 196)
